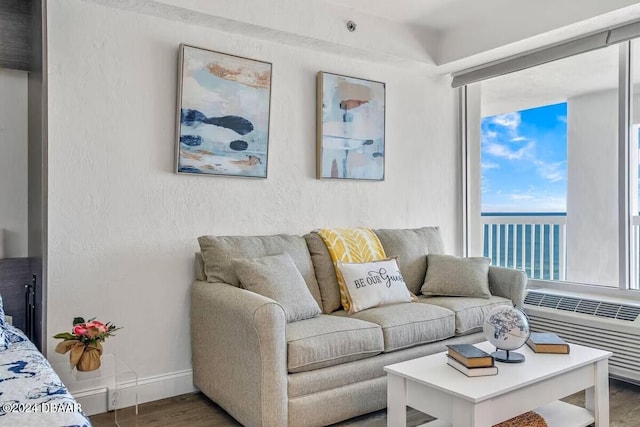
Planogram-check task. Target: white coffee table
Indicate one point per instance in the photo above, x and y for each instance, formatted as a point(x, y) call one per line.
point(431, 386)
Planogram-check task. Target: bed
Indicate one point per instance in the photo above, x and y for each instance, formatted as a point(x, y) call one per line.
point(31, 393)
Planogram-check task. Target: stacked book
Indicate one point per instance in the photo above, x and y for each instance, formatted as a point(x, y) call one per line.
point(547, 342)
point(470, 360)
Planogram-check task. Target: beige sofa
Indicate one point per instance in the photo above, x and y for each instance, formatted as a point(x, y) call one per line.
point(267, 372)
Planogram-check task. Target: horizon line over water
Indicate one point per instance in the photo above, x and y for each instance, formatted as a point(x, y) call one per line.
point(523, 214)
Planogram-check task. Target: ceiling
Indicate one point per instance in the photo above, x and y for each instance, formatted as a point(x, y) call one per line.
point(442, 15)
point(445, 35)
point(433, 14)
point(472, 32)
point(556, 81)
point(543, 85)
point(551, 83)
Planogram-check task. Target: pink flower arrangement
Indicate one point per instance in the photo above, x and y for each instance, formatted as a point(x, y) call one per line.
point(88, 332)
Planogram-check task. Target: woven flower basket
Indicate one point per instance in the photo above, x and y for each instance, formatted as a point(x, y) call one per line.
point(82, 357)
point(90, 358)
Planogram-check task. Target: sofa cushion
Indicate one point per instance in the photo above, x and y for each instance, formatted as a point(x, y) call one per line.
point(407, 325)
point(276, 277)
point(351, 245)
point(370, 284)
point(470, 312)
point(330, 340)
point(325, 273)
point(411, 246)
point(199, 268)
point(453, 276)
point(219, 251)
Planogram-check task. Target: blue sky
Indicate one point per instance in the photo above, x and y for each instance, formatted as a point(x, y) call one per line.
point(524, 160)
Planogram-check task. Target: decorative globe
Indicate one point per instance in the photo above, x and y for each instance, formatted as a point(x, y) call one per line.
point(507, 328)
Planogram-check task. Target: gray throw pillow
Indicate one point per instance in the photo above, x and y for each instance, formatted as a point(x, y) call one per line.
point(454, 276)
point(278, 278)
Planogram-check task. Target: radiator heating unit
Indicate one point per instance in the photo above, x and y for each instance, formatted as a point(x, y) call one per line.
point(593, 321)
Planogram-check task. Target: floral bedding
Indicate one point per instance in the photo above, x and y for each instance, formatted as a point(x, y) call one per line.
point(31, 393)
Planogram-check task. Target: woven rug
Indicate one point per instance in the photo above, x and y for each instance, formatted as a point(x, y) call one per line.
point(528, 419)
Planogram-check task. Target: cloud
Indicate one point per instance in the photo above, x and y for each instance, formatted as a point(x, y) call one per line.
point(505, 152)
point(521, 197)
point(491, 134)
point(562, 119)
point(504, 125)
point(489, 165)
point(511, 151)
point(509, 120)
point(552, 172)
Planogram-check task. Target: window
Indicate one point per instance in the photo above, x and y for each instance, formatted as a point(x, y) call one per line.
point(523, 189)
point(543, 176)
point(634, 160)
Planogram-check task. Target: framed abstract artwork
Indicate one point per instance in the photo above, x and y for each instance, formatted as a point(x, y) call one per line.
point(350, 128)
point(223, 114)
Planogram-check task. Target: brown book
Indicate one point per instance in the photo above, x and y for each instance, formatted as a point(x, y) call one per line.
point(547, 342)
point(472, 372)
point(470, 355)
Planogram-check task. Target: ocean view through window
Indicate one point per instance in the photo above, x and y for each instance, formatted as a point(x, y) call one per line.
point(523, 190)
point(531, 241)
point(551, 154)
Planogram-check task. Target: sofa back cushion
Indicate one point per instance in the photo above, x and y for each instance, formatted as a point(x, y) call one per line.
point(199, 268)
point(219, 251)
point(325, 273)
point(278, 278)
point(454, 276)
point(411, 247)
point(351, 245)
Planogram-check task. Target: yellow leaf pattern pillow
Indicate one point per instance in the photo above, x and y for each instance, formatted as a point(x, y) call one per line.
point(351, 245)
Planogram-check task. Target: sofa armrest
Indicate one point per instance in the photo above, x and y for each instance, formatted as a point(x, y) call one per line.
point(508, 283)
point(239, 352)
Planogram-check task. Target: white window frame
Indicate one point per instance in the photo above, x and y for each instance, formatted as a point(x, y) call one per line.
point(469, 98)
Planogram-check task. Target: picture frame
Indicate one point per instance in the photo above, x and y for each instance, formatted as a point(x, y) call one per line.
point(223, 114)
point(350, 128)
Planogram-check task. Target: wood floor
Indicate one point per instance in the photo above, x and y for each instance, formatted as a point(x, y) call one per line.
point(198, 411)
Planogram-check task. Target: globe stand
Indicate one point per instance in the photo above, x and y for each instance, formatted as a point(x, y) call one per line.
point(507, 356)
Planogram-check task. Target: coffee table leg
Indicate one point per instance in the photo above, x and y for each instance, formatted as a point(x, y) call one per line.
point(464, 414)
point(597, 397)
point(396, 401)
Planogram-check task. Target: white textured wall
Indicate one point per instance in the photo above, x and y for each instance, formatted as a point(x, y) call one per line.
point(13, 163)
point(592, 189)
point(123, 226)
point(320, 23)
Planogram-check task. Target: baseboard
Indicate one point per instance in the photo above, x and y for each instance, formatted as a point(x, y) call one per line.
point(149, 389)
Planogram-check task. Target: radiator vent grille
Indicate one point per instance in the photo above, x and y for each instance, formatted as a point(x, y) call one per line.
point(586, 306)
point(624, 363)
